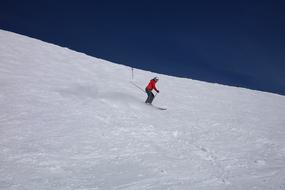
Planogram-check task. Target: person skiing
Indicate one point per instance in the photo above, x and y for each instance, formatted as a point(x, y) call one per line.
point(149, 88)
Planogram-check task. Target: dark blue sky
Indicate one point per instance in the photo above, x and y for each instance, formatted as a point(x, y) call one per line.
point(240, 43)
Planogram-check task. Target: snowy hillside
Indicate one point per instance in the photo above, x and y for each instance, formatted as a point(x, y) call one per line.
point(69, 121)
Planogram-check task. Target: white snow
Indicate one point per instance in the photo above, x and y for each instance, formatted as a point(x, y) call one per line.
point(71, 121)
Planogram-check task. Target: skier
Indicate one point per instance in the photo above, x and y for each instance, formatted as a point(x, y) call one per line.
point(149, 88)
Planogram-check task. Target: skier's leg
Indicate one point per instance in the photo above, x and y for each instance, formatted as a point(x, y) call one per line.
point(151, 97)
point(148, 96)
point(147, 99)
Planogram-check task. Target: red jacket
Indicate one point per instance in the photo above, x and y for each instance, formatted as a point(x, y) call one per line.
point(151, 86)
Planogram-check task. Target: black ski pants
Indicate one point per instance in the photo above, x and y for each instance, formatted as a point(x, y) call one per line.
point(150, 96)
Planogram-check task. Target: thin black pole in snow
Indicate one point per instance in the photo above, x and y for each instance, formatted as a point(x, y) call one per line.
point(132, 73)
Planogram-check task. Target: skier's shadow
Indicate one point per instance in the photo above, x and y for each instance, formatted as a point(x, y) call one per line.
point(118, 96)
point(91, 91)
point(79, 91)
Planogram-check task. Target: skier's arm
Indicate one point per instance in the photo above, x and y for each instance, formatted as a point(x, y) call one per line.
point(155, 88)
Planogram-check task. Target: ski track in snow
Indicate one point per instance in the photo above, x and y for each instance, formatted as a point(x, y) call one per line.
point(70, 121)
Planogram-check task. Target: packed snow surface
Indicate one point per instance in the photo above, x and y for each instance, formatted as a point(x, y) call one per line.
point(70, 121)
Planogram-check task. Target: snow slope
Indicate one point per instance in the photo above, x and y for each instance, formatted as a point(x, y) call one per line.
point(71, 121)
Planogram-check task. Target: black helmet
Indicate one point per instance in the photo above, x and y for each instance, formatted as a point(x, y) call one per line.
point(156, 78)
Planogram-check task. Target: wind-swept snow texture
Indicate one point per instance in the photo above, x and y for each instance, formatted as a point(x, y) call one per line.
point(70, 121)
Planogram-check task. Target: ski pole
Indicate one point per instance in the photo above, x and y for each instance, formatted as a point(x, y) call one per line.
point(137, 86)
point(156, 94)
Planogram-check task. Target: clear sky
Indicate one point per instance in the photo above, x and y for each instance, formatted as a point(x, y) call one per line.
point(239, 43)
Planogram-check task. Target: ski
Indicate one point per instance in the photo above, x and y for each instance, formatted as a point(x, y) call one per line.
point(160, 108)
point(157, 107)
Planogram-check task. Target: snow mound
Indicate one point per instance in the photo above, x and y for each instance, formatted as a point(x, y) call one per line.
point(71, 121)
